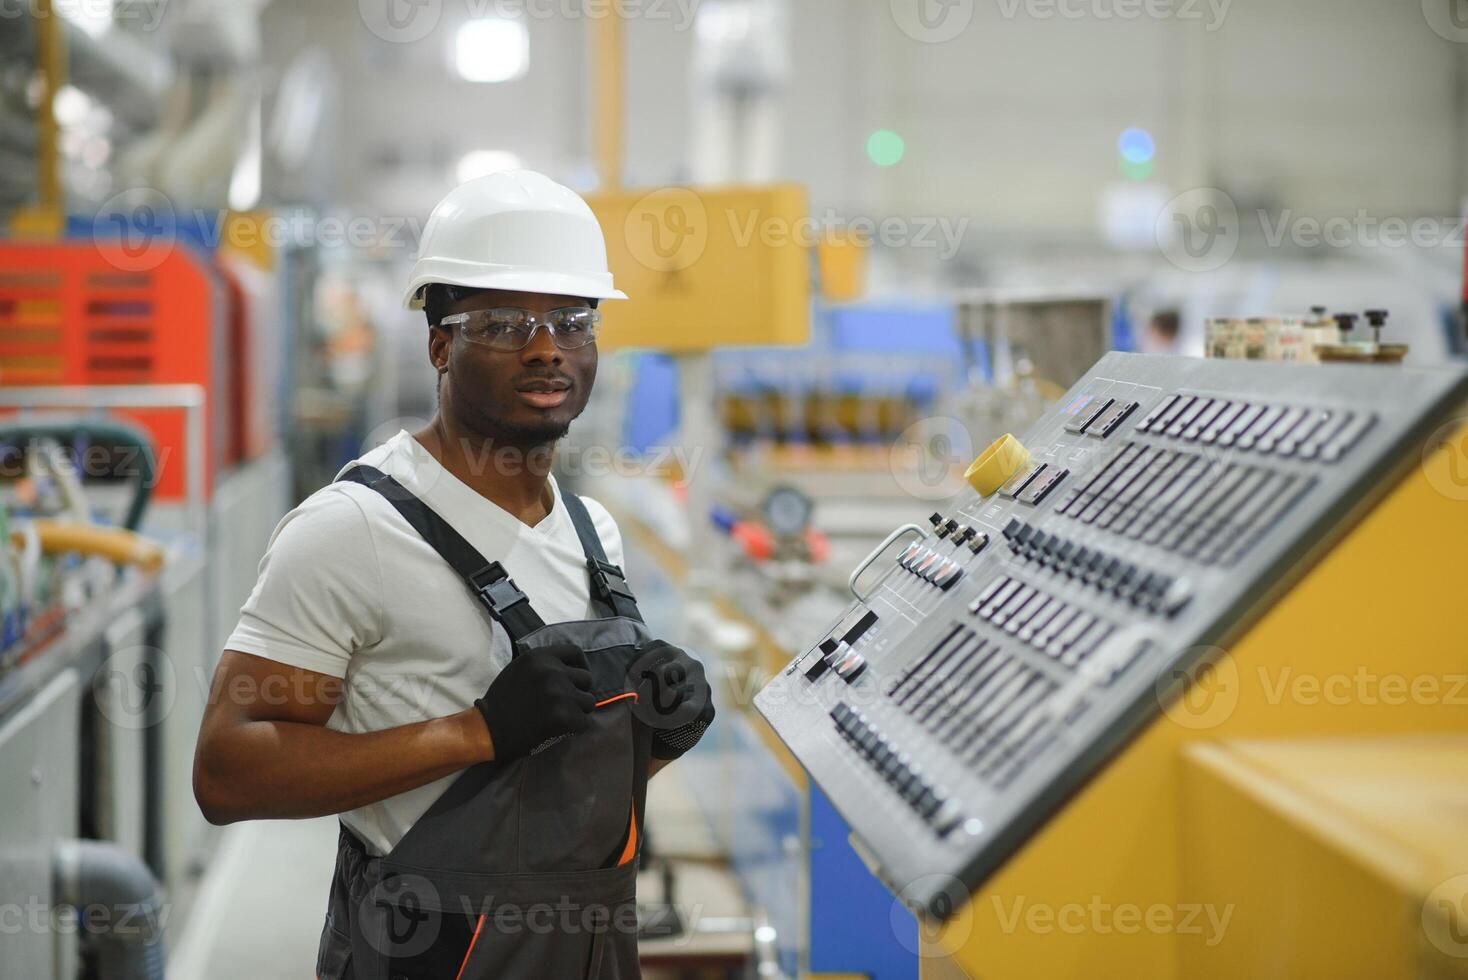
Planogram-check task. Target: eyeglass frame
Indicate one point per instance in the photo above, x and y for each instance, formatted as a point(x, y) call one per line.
point(536, 321)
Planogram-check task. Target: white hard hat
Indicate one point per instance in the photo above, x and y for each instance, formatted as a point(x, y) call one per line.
point(516, 229)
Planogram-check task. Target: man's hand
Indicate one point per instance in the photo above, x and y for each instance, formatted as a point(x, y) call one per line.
point(673, 698)
point(539, 696)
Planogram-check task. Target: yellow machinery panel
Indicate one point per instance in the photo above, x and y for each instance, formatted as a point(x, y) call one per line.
point(1180, 553)
point(707, 267)
point(1337, 655)
point(1358, 845)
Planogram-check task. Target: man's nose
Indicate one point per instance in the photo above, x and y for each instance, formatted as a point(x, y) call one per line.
point(542, 348)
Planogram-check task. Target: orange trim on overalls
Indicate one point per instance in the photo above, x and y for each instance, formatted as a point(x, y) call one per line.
point(470, 951)
point(630, 851)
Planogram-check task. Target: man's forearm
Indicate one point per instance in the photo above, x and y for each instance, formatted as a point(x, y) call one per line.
point(282, 769)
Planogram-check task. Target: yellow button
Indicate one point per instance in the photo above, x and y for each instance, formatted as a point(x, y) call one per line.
point(995, 465)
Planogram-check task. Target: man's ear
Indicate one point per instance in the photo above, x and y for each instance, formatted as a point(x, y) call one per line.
point(439, 341)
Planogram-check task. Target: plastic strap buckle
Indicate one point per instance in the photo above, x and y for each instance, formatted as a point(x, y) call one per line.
point(608, 582)
point(499, 593)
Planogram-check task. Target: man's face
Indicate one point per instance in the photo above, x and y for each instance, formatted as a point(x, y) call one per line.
point(526, 397)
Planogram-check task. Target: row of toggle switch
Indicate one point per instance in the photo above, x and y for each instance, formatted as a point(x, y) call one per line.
point(1104, 572)
point(933, 566)
point(1283, 430)
point(1100, 417)
point(1065, 633)
point(897, 768)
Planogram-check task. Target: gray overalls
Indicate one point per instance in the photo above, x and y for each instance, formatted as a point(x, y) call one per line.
point(522, 869)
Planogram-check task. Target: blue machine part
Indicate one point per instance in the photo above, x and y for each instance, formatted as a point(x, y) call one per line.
point(895, 329)
point(856, 926)
point(749, 797)
point(1123, 334)
point(652, 404)
point(147, 226)
point(912, 351)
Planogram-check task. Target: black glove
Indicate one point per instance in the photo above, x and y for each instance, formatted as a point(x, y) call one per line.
point(539, 696)
point(673, 698)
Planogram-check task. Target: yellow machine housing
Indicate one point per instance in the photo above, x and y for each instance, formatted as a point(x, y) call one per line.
point(1190, 817)
point(707, 267)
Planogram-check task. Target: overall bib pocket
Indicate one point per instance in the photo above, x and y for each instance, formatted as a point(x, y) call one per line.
point(521, 870)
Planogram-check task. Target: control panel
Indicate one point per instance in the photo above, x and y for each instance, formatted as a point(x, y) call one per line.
point(997, 660)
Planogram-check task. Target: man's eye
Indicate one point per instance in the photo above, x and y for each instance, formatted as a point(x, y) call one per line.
point(573, 323)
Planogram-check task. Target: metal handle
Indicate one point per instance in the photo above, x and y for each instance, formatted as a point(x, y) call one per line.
point(886, 543)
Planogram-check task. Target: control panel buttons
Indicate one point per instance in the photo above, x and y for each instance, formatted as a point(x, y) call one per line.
point(1109, 420)
point(1154, 416)
point(1201, 423)
point(1038, 489)
point(1089, 414)
point(1020, 480)
point(928, 801)
point(1185, 418)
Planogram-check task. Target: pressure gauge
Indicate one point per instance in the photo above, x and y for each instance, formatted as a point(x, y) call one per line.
point(787, 511)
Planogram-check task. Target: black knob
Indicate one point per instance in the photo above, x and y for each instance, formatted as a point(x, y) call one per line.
point(1346, 321)
point(1377, 319)
point(1319, 311)
point(935, 519)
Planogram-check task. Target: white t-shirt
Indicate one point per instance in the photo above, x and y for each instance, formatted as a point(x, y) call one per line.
point(348, 588)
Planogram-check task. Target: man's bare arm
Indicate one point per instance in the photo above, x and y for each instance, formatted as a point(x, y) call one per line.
point(264, 751)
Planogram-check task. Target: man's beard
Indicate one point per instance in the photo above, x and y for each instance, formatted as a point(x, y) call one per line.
point(500, 432)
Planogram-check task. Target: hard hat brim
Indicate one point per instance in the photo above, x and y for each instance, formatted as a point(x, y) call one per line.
point(515, 280)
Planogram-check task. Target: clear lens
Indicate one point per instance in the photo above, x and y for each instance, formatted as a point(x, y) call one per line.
point(573, 326)
point(511, 329)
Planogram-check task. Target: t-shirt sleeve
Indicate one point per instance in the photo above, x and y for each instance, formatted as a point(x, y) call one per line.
point(607, 530)
point(318, 598)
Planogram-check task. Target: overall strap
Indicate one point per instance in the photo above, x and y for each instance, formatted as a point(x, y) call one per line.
point(609, 589)
point(487, 580)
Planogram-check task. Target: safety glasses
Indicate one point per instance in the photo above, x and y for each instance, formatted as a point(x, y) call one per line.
point(510, 328)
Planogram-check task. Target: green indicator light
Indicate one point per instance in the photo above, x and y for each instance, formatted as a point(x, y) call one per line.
point(1137, 170)
point(885, 147)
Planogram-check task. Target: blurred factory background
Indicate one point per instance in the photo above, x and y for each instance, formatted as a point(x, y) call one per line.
point(862, 240)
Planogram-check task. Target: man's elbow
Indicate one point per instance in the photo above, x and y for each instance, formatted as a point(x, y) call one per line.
point(211, 789)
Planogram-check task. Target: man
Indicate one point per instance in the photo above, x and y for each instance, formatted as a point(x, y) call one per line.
point(440, 646)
